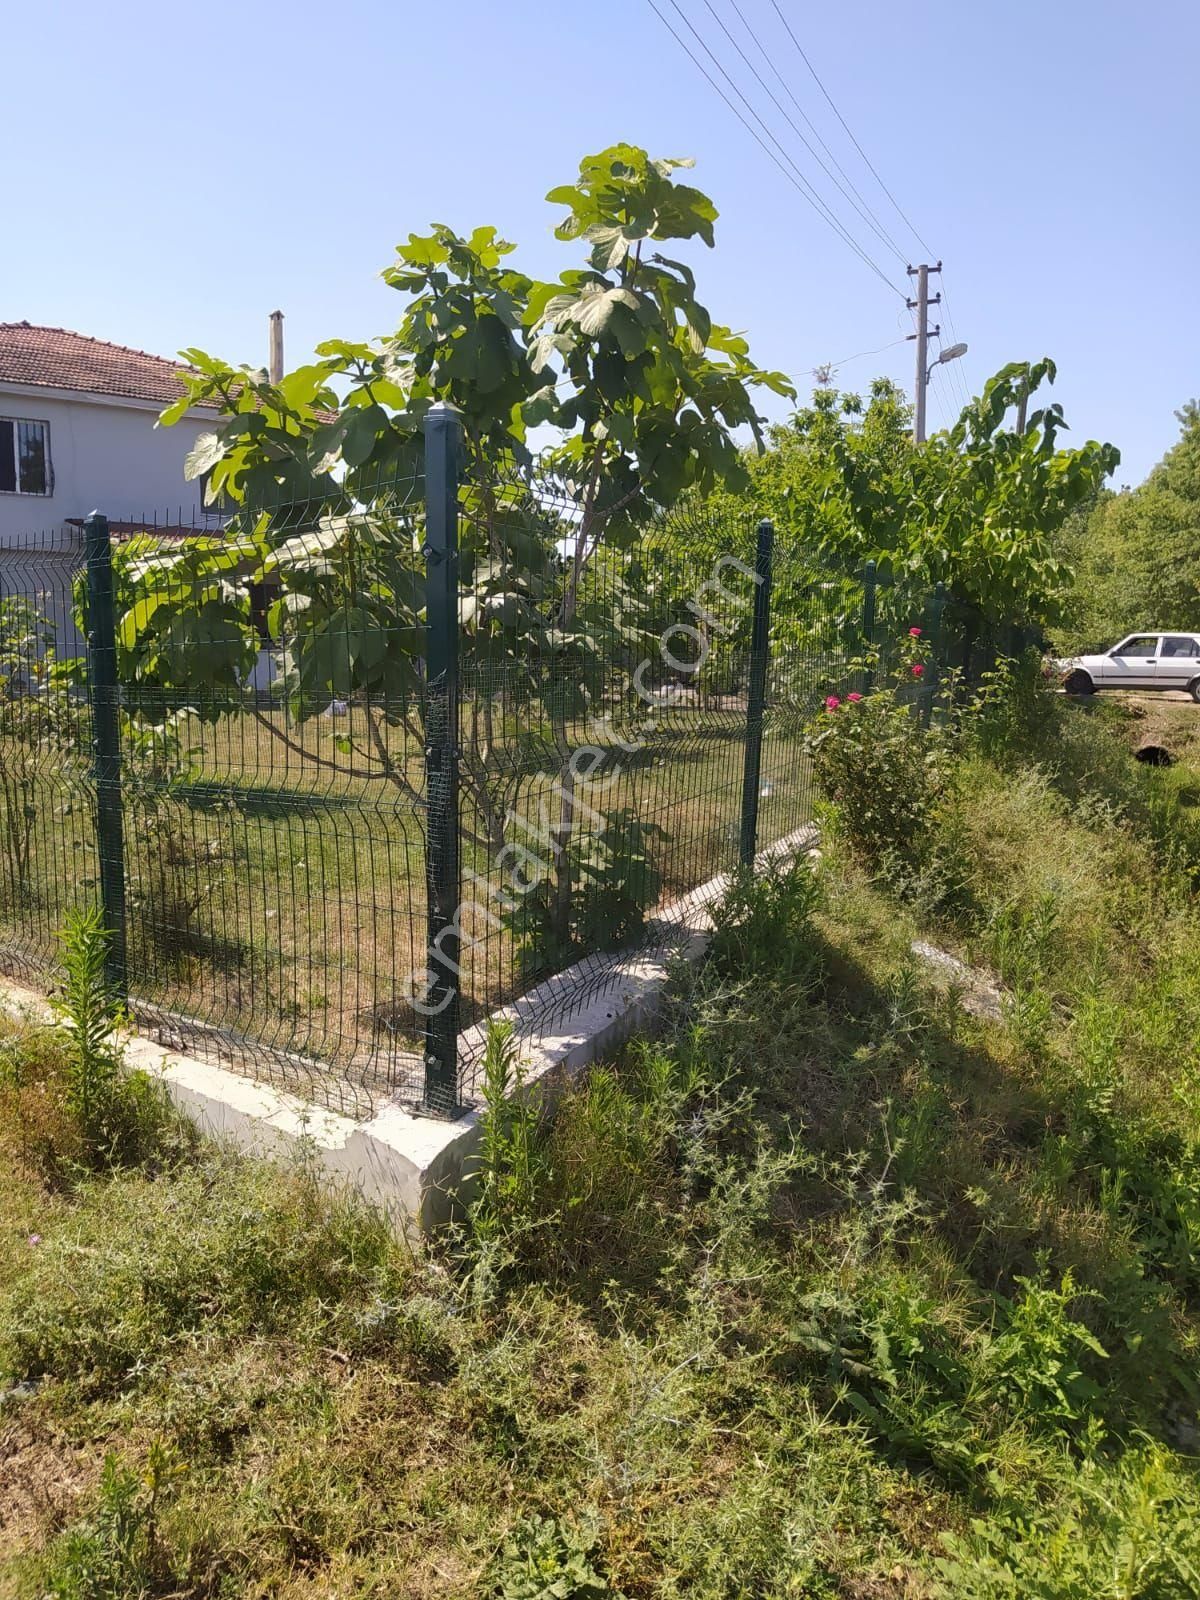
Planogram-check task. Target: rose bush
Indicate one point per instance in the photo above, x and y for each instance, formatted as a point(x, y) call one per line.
point(881, 765)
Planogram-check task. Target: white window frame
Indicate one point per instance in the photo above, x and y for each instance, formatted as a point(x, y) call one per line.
point(44, 425)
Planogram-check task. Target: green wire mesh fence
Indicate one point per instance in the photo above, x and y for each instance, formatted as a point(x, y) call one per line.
point(349, 776)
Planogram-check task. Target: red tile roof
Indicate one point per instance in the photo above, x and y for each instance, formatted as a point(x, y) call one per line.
point(120, 530)
point(56, 358)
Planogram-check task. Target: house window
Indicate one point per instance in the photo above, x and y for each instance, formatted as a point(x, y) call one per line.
point(24, 457)
point(216, 510)
point(262, 597)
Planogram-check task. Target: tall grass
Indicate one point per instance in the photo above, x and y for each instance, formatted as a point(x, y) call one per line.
point(831, 1289)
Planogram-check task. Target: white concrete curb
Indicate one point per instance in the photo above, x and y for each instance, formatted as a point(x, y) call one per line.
point(418, 1167)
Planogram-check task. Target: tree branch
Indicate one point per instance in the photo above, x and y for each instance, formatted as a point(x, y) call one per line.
point(324, 761)
point(391, 771)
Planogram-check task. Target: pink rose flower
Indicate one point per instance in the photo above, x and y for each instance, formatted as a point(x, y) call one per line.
point(914, 633)
point(832, 703)
point(918, 670)
point(854, 698)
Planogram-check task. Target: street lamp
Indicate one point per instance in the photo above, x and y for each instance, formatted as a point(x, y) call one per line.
point(950, 353)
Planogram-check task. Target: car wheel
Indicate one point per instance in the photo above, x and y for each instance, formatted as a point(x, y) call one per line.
point(1078, 682)
point(1194, 690)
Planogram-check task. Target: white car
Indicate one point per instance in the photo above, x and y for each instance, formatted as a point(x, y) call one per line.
point(1143, 661)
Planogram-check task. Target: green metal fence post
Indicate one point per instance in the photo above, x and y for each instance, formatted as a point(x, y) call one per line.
point(936, 610)
point(442, 448)
point(104, 697)
point(868, 620)
point(939, 608)
point(760, 646)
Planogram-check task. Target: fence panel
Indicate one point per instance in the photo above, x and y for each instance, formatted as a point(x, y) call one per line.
point(609, 725)
point(275, 794)
point(272, 782)
point(389, 767)
point(48, 858)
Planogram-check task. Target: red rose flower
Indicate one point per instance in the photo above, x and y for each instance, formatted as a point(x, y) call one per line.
point(854, 698)
point(918, 670)
point(914, 633)
point(832, 703)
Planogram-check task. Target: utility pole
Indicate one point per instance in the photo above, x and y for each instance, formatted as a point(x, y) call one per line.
point(1023, 403)
point(275, 356)
point(921, 306)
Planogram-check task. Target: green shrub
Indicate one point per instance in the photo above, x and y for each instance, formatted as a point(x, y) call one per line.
point(508, 1169)
point(763, 926)
point(1127, 1529)
point(1147, 1178)
point(1015, 713)
point(1036, 1363)
point(883, 766)
point(37, 1131)
point(614, 880)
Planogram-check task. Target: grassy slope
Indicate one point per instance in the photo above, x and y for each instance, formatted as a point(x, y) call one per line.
point(832, 1275)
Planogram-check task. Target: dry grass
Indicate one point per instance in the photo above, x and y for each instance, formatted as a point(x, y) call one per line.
point(1171, 720)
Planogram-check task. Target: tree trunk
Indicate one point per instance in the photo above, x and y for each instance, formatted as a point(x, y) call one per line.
point(565, 826)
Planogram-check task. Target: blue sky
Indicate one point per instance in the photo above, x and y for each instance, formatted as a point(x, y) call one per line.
point(189, 168)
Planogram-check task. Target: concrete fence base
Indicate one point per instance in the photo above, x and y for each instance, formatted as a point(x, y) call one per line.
point(416, 1168)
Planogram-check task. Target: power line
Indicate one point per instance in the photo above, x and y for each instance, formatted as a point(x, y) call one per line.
point(824, 370)
point(829, 98)
point(947, 403)
point(794, 177)
point(938, 386)
point(867, 216)
point(963, 386)
point(812, 127)
point(940, 367)
point(807, 189)
point(957, 379)
point(774, 148)
point(846, 360)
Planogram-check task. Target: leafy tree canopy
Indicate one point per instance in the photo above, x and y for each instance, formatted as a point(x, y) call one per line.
point(619, 356)
point(1136, 553)
point(978, 507)
point(1179, 469)
point(639, 387)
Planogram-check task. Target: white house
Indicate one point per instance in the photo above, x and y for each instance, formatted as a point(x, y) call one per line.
point(77, 434)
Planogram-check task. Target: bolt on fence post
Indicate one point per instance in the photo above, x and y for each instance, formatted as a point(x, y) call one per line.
point(868, 619)
point(104, 697)
point(443, 435)
point(760, 647)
